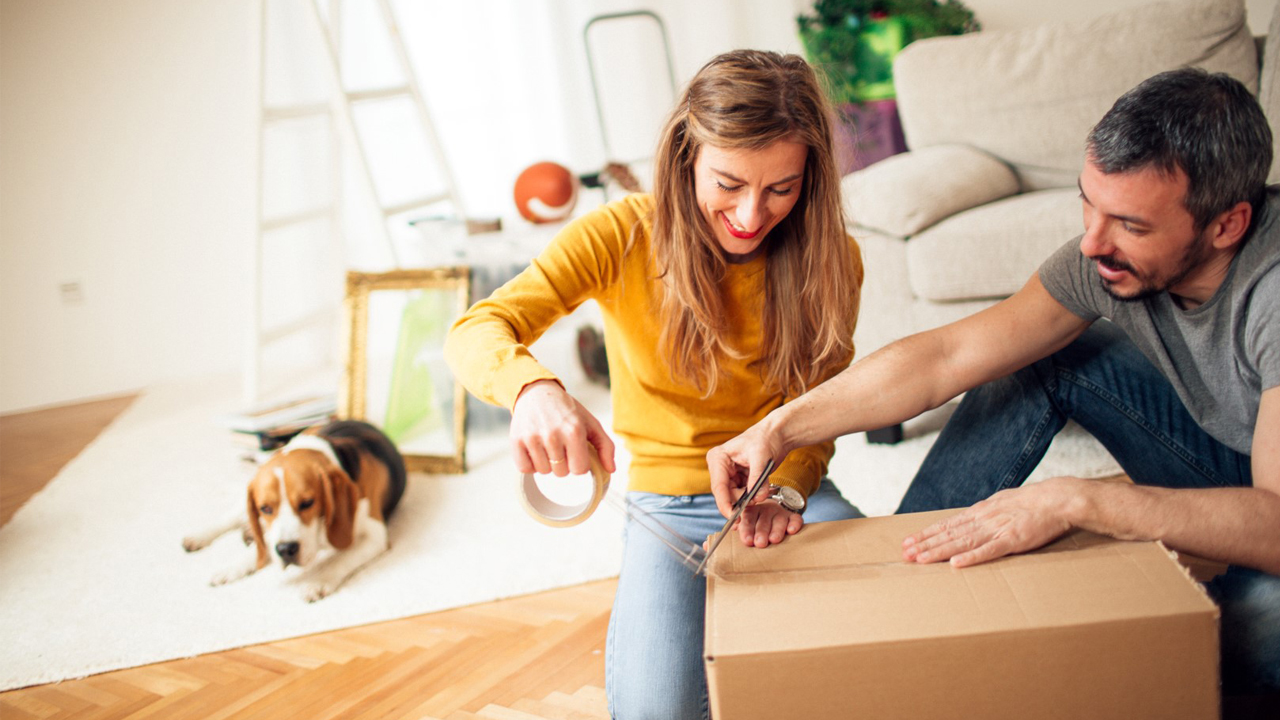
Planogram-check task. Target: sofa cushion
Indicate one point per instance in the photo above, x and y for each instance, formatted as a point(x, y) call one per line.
point(991, 251)
point(1030, 96)
point(1269, 89)
point(906, 193)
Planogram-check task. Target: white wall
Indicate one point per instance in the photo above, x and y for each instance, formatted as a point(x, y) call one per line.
point(127, 156)
point(126, 160)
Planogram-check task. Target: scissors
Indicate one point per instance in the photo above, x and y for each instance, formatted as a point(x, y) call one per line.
point(738, 507)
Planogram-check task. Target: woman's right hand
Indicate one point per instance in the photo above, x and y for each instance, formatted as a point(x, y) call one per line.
point(552, 433)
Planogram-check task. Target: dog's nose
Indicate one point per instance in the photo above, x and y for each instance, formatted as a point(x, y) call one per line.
point(288, 552)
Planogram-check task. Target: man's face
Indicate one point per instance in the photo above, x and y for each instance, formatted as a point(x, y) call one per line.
point(1137, 231)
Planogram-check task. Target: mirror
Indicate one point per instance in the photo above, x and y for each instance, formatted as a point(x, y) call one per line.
point(395, 376)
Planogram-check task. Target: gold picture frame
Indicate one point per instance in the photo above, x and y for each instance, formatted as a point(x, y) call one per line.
point(394, 374)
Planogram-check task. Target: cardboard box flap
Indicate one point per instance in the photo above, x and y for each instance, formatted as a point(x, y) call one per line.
point(851, 576)
point(823, 545)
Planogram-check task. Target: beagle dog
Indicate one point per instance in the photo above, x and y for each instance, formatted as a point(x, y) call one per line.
point(332, 487)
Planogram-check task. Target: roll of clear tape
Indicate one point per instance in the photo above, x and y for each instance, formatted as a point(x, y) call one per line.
point(548, 512)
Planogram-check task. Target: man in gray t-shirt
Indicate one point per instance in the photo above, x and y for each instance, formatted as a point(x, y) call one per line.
point(1220, 355)
point(1157, 330)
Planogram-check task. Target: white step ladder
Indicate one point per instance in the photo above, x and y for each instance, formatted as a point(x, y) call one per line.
point(340, 112)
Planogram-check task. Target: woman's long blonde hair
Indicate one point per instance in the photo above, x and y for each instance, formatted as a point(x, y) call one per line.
point(748, 99)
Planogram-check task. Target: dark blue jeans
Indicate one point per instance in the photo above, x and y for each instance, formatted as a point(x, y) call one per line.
point(1103, 382)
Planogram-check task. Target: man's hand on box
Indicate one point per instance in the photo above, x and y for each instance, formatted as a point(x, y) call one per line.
point(767, 523)
point(1011, 521)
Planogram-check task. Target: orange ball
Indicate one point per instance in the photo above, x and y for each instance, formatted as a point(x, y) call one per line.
point(546, 192)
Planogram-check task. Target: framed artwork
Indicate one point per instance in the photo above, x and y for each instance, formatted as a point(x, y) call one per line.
point(395, 375)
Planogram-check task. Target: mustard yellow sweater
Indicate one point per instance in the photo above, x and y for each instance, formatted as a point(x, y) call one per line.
point(666, 425)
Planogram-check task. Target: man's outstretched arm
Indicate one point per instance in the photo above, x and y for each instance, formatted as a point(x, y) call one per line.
point(1240, 526)
point(900, 381)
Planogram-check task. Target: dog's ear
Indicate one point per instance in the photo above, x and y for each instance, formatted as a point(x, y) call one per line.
point(340, 500)
point(255, 527)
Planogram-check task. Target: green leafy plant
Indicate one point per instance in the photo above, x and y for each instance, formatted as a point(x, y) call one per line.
point(854, 41)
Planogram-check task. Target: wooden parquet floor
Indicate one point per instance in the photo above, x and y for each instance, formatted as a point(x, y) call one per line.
point(538, 656)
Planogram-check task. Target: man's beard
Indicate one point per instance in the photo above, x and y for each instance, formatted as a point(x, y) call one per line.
point(1195, 254)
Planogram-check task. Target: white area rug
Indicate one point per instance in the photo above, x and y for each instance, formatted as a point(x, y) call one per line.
point(95, 578)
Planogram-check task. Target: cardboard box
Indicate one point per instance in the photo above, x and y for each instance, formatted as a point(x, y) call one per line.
point(832, 624)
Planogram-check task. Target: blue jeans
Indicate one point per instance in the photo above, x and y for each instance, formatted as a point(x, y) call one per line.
point(1103, 382)
point(653, 655)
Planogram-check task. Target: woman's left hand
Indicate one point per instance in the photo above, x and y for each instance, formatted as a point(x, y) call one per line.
point(767, 523)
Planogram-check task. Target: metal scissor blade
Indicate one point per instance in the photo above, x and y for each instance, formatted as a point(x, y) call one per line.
point(738, 507)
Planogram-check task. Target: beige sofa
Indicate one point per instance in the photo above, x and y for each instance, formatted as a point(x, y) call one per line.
point(995, 124)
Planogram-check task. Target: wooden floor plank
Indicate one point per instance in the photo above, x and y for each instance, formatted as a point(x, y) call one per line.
point(578, 661)
point(281, 701)
point(279, 652)
point(211, 670)
point(328, 647)
point(571, 702)
point(240, 669)
point(451, 683)
point(159, 679)
point(110, 682)
point(259, 658)
point(35, 445)
point(120, 712)
point(395, 690)
point(374, 680)
point(250, 698)
point(595, 698)
point(27, 706)
point(89, 693)
point(163, 709)
point(498, 712)
point(190, 705)
point(548, 711)
point(484, 678)
point(55, 696)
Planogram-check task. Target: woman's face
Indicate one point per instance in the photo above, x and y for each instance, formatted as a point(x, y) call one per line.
point(743, 194)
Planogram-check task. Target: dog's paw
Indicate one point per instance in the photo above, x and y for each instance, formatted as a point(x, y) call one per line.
point(224, 577)
point(233, 573)
point(318, 590)
point(194, 543)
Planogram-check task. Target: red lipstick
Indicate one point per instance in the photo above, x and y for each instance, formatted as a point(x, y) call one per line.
point(734, 231)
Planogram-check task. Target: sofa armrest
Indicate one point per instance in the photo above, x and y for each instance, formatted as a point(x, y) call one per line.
point(1269, 88)
point(904, 194)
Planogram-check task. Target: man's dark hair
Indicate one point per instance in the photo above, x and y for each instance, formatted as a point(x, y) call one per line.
point(1209, 125)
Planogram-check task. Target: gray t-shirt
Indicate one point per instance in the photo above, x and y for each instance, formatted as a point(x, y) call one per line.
point(1220, 356)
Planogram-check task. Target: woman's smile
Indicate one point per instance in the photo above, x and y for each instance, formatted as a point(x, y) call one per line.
point(745, 193)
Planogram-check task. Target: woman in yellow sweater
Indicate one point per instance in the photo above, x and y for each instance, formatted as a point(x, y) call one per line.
point(728, 291)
